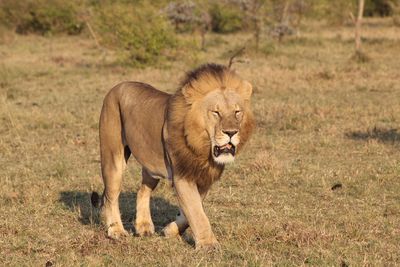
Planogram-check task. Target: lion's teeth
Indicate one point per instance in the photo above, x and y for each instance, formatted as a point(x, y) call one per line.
point(228, 148)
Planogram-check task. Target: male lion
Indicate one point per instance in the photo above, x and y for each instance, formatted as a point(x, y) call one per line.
point(186, 137)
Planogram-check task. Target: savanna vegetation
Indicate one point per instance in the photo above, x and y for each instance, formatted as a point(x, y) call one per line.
point(318, 184)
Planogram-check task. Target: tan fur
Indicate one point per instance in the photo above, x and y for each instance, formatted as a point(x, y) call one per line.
point(173, 136)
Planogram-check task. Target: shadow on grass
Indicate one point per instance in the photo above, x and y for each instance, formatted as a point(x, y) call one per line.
point(387, 136)
point(162, 211)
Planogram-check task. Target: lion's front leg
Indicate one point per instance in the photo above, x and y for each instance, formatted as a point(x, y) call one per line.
point(179, 226)
point(190, 201)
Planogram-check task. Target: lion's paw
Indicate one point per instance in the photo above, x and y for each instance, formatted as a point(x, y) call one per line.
point(144, 228)
point(208, 247)
point(171, 230)
point(116, 231)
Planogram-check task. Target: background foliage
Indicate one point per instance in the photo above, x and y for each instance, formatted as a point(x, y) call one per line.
point(141, 34)
point(42, 16)
point(145, 32)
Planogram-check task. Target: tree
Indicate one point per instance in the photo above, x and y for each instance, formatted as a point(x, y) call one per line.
point(359, 55)
point(189, 16)
point(358, 25)
point(254, 11)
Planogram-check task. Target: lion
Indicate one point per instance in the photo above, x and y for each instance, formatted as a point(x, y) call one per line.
point(186, 137)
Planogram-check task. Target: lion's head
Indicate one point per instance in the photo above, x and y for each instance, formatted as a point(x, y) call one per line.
point(217, 119)
point(211, 112)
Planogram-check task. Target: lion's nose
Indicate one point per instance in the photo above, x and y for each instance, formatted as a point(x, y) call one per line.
point(230, 133)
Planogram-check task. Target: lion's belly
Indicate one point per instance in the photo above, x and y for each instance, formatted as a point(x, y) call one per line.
point(149, 154)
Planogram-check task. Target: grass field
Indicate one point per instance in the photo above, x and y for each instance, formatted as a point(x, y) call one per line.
point(318, 183)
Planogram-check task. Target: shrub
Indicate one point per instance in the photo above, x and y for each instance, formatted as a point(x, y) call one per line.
point(187, 16)
point(41, 16)
point(226, 18)
point(139, 32)
point(378, 8)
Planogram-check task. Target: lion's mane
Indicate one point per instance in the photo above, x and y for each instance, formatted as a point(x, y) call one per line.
point(192, 159)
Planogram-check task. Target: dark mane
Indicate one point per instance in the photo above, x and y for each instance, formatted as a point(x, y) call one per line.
point(212, 69)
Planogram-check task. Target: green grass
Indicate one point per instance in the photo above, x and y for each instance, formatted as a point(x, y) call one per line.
point(322, 119)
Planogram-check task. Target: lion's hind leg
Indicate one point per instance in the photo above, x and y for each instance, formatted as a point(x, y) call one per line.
point(112, 177)
point(113, 162)
point(143, 224)
point(177, 227)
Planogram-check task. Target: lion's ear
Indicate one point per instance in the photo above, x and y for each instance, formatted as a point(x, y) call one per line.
point(246, 90)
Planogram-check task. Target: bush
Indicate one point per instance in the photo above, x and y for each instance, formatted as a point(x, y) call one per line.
point(41, 16)
point(226, 18)
point(187, 16)
point(141, 34)
point(378, 8)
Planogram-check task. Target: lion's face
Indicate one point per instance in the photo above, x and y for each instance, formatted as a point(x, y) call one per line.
point(223, 113)
point(217, 122)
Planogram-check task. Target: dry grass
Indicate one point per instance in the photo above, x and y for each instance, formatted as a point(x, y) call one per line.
point(323, 120)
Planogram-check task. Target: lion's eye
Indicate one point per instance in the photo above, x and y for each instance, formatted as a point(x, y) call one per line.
point(215, 113)
point(238, 112)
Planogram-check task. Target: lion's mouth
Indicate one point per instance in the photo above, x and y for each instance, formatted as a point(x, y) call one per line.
point(225, 149)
